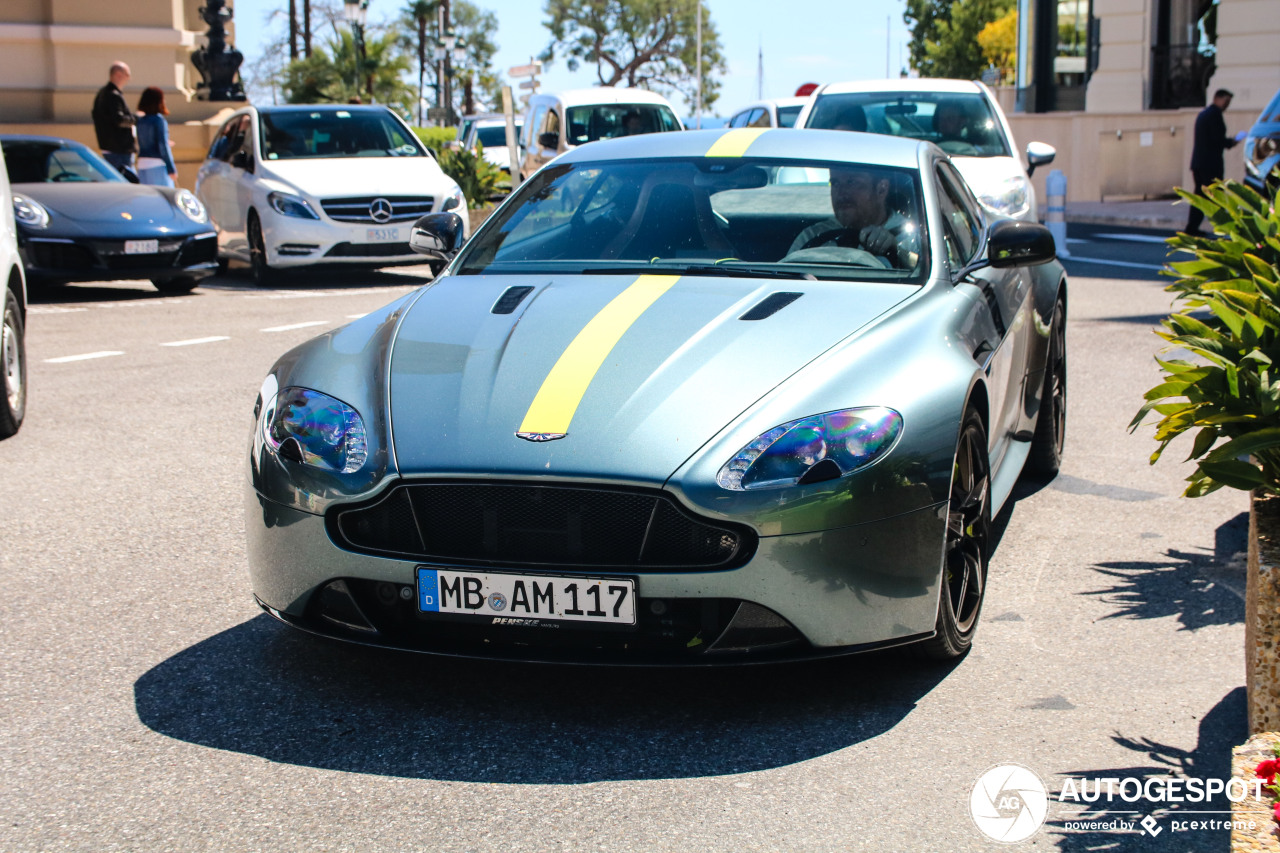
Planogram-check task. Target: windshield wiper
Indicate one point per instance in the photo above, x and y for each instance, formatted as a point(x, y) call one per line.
point(702, 269)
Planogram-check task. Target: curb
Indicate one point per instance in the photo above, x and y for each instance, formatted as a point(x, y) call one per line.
point(1163, 223)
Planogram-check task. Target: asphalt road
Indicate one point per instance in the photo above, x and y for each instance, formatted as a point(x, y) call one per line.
point(148, 705)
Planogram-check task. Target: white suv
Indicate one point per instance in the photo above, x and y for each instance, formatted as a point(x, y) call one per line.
point(960, 116)
point(13, 354)
point(299, 185)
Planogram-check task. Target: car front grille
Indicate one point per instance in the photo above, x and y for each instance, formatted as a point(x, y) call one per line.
point(398, 208)
point(515, 524)
point(369, 250)
point(60, 256)
point(199, 250)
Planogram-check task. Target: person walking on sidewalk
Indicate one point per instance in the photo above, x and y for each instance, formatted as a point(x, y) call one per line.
point(155, 160)
point(113, 122)
point(1206, 151)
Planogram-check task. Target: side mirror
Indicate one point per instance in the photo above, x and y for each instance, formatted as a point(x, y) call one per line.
point(240, 159)
point(1012, 243)
point(549, 140)
point(439, 236)
point(1039, 154)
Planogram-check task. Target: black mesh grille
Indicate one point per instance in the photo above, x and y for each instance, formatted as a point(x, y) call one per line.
point(203, 250)
point(369, 250)
point(542, 525)
point(61, 256)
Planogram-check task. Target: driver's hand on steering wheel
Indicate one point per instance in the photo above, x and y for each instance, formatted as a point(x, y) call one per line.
point(877, 240)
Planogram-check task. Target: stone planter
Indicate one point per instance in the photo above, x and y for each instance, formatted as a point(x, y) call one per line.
point(1262, 615)
point(1262, 835)
point(478, 216)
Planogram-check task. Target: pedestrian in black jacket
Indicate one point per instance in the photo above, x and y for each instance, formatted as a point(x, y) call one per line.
point(1206, 151)
point(114, 122)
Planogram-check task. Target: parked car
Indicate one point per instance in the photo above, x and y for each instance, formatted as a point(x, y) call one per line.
point(13, 317)
point(961, 116)
point(491, 135)
point(554, 124)
point(1262, 150)
point(780, 112)
point(294, 186)
point(78, 219)
point(643, 418)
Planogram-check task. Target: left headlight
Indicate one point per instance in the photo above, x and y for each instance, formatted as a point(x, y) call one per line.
point(1011, 198)
point(454, 200)
point(314, 429)
point(191, 206)
point(813, 449)
point(29, 212)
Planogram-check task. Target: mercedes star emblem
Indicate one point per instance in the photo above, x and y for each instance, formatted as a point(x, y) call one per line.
point(380, 210)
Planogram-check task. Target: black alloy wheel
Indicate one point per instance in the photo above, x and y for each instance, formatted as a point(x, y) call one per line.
point(181, 284)
point(964, 570)
point(13, 367)
point(1051, 422)
point(263, 274)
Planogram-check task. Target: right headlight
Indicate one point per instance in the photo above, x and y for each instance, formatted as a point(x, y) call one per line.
point(29, 212)
point(813, 449)
point(454, 200)
point(287, 204)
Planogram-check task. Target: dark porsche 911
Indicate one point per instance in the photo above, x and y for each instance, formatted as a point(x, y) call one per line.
point(79, 220)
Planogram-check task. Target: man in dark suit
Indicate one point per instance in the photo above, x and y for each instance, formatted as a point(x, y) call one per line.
point(1206, 151)
point(114, 122)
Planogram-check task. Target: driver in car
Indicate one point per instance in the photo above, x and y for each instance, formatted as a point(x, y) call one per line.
point(862, 219)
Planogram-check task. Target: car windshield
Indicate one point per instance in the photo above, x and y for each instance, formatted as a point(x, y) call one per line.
point(960, 123)
point(1272, 110)
point(787, 115)
point(37, 162)
point(492, 137)
point(605, 121)
point(295, 134)
point(711, 217)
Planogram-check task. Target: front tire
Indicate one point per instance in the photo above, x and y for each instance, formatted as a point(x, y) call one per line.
point(1051, 423)
point(13, 367)
point(964, 570)
point(263, 274)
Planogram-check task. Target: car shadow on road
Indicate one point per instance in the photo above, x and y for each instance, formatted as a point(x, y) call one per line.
point(1223, 727)
point(262, 689)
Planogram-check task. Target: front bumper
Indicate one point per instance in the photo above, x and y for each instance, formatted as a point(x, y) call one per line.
point(295, 242)
point(89, 259)
point(808, 595)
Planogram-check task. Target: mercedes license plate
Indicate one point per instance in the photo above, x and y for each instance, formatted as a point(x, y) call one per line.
point(512, 596)
point(141, 247)
point(382, 235)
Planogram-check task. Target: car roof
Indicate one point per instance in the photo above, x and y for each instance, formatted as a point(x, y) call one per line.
point(901, 84)
point(779, 143)
point(774, 102)
point(33, 137)
point(495, 120)
point(607, 95)
point(331, 108)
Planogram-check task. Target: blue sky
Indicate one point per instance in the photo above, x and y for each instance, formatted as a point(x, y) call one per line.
point(810, 42)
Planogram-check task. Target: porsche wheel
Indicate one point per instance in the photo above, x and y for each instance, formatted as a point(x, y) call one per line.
point(13, 368)
point(263, 274)
point(964, 570)
point(1051, 423)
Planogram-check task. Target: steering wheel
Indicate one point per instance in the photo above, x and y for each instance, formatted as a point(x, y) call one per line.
point(65, 176)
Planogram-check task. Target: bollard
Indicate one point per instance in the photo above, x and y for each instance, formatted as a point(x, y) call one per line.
point(1055, 212)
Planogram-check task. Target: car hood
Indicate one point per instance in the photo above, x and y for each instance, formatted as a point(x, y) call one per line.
point(105, 208)
point(327, 177)
point(463, 378)
point(986, 174)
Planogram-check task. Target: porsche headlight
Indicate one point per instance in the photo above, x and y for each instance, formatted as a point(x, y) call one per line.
point(315, 429)
point(190, 205)
point(29, 212)
point(454, 200)
point(287, 204)
point(1011, 198)
point(810, 450)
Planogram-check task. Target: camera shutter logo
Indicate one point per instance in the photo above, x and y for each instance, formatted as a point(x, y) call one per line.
point(1009, 803)
point(380, 210)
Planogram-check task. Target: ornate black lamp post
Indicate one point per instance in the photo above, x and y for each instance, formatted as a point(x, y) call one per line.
point(217, 63)
point(356, 12)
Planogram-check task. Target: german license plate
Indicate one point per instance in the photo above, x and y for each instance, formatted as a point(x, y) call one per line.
point(511, 596)
point(141, 247)
point(382, 235)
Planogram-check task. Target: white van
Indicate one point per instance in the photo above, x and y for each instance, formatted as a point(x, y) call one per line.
point(555, 123)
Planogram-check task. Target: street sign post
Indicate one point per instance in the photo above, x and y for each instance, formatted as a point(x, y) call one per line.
point(533, 69)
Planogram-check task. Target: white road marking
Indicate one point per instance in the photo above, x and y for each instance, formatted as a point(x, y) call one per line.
point(196, 341)
point(293, 326)
point(64, 359)
point(1134, 238)
point(49, 309)
point(1115, 263)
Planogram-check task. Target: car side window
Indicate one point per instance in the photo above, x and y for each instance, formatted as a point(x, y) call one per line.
point(552, 123)
point(759, 118)
point(222, 143)
point(740, 120)
point(534, 126)
point(961, 227)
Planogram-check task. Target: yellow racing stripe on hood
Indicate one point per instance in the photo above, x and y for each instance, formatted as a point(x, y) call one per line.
point(736, 142)
point(556, 401)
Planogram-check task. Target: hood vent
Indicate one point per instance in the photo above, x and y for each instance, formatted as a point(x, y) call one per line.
point(770, 305)
point(511, 298)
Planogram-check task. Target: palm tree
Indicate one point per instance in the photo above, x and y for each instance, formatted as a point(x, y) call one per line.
point(421, 13)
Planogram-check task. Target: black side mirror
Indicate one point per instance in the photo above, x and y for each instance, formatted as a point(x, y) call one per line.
point(240, 159)
point(1012, 243)
point(439, 236)
point(549, 140)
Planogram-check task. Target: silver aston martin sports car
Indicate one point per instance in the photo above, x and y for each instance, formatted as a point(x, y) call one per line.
point(703, 397)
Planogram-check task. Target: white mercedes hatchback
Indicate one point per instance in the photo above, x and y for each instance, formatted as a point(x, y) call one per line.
point(299, 185)
point(961, 117)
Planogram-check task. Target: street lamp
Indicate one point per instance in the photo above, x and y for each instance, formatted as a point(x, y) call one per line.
point(449, 50)
point(356, 12)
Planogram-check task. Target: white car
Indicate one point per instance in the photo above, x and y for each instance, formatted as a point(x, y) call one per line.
point(491, 135)
point(779, 112)
point(555, 123)
point(961, 116)
point(299, 185)
point(13, 353)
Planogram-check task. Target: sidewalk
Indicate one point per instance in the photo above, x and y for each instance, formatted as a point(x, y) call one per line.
point(1166, 214)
